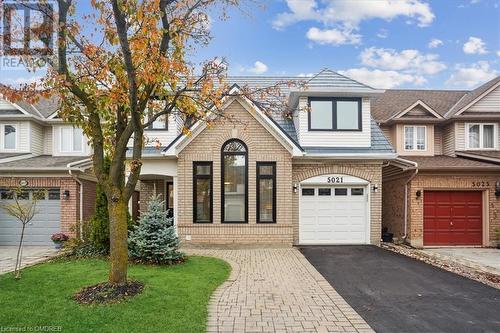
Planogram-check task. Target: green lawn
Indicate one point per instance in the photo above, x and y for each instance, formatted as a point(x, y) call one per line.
point(174, 299)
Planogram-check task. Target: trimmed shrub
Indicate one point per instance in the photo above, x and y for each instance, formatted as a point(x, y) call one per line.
point(154, 239)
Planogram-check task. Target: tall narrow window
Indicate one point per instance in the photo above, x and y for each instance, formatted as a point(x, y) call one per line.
point(234, 182)
point(202, 192)
point(9, 137)
point(266, 192)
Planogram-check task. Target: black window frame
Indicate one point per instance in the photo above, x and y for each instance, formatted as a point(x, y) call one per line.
point(169, 185)
point(334, 101)
point(222, 167)
point(259, 177)
point(195, 178)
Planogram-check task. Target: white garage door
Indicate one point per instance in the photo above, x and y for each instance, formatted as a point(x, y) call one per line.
point(45, 223)
point(333, 215)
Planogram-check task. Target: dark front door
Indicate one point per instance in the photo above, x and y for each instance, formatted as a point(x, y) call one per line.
point(453, 218)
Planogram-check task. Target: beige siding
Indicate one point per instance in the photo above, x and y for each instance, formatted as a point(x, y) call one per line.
point(449, 140)
point(438, 140)
point(36, 139)
point(400, 141)
point(47, 140)
point(459, 136)
point(334, 139)
point(489, 103)
point(389, 133)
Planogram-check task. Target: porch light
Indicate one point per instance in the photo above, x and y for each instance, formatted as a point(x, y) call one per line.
point(66, 195)
point(375, 188)
point(497, 189)
point(294, 188)
point(419, 193)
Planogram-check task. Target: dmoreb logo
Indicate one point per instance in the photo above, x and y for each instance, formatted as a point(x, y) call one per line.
point(27, 31)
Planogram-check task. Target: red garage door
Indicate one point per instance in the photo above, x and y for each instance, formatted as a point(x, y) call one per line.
point(453, 218)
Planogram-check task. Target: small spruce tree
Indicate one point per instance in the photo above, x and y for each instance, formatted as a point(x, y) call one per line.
point(154, 239)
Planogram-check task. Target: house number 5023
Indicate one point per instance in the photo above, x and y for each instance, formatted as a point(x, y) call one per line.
point(480, 184)
point(335, 180)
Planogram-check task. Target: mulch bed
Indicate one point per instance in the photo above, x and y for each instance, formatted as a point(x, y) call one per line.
point(487, 278)
point(104, 293)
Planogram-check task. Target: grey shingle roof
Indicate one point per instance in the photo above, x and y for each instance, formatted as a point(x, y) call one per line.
point(472, 95)
point(394, 101)
point(41, 162)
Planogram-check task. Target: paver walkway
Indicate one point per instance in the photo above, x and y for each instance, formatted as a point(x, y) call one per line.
point(276, 290)
point(31, 255)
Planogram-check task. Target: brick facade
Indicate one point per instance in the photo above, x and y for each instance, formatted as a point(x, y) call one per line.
point(148, 189)
point(262, 146)
point(70, 208)
point(423, 182)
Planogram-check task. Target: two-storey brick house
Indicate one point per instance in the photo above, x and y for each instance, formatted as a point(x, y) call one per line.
point(40, 151)
point(444, 188)
point(310, 176)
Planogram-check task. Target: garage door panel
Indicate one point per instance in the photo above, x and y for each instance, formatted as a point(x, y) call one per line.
point(45, 223)
point(452, 218)
point(333, 219)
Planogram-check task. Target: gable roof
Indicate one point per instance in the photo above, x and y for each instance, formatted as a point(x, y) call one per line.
point(471, 97)
point(394, 101)
point(422, 105)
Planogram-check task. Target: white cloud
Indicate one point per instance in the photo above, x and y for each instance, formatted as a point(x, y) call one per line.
point(498, 53)
point(383, 79)
point(258, 68)
point(350, 13)
point(435, 43)
point(383, 33)
point(19, 81)
point(470, 76)
point(409, 60)
point(306, 75)
point(475, 45)
point(332, 36)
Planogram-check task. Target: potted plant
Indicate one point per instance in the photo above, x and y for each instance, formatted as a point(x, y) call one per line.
point(497, 232)
point(58, 239)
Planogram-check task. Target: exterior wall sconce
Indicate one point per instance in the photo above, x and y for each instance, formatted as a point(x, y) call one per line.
point(66, 195)
point(375, 188)
point(419, 194)
point(497, 189)
point(295, 187)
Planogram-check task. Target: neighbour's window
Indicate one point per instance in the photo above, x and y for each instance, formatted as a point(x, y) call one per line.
point(71, 139)
point(9, 137)
point(266, 192)
point(202, 192)
point(234, 182)
point(160, 123)
point(39, 194)
point(334, 114)
point(481, 136)
point(23, 195)
point(415, 137)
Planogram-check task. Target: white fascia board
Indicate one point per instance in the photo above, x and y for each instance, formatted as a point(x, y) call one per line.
point(353, 156)
point(253, 110)
point(422, 104)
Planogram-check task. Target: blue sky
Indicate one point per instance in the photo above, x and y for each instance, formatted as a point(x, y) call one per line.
point(445, 44)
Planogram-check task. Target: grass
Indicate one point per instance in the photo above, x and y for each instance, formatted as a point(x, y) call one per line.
point(174, 299)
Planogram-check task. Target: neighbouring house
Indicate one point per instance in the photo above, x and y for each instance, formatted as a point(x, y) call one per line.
point(444, 188)
point(312, 175)
point(40, 151)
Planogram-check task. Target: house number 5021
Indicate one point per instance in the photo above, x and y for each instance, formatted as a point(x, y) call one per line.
point(335, 180)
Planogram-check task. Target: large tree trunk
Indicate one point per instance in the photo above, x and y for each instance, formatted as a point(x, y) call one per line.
point(117, 210)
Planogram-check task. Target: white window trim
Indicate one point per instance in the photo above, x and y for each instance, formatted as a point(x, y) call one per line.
point(481, 137)
point(414, 138)
point(71, 139)
point(15, 140)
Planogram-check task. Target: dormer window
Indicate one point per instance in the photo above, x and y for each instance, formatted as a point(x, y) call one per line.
point(334, 114)
point(415, 138)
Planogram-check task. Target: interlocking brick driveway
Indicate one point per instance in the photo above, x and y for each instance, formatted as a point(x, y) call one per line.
point(276, 290)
